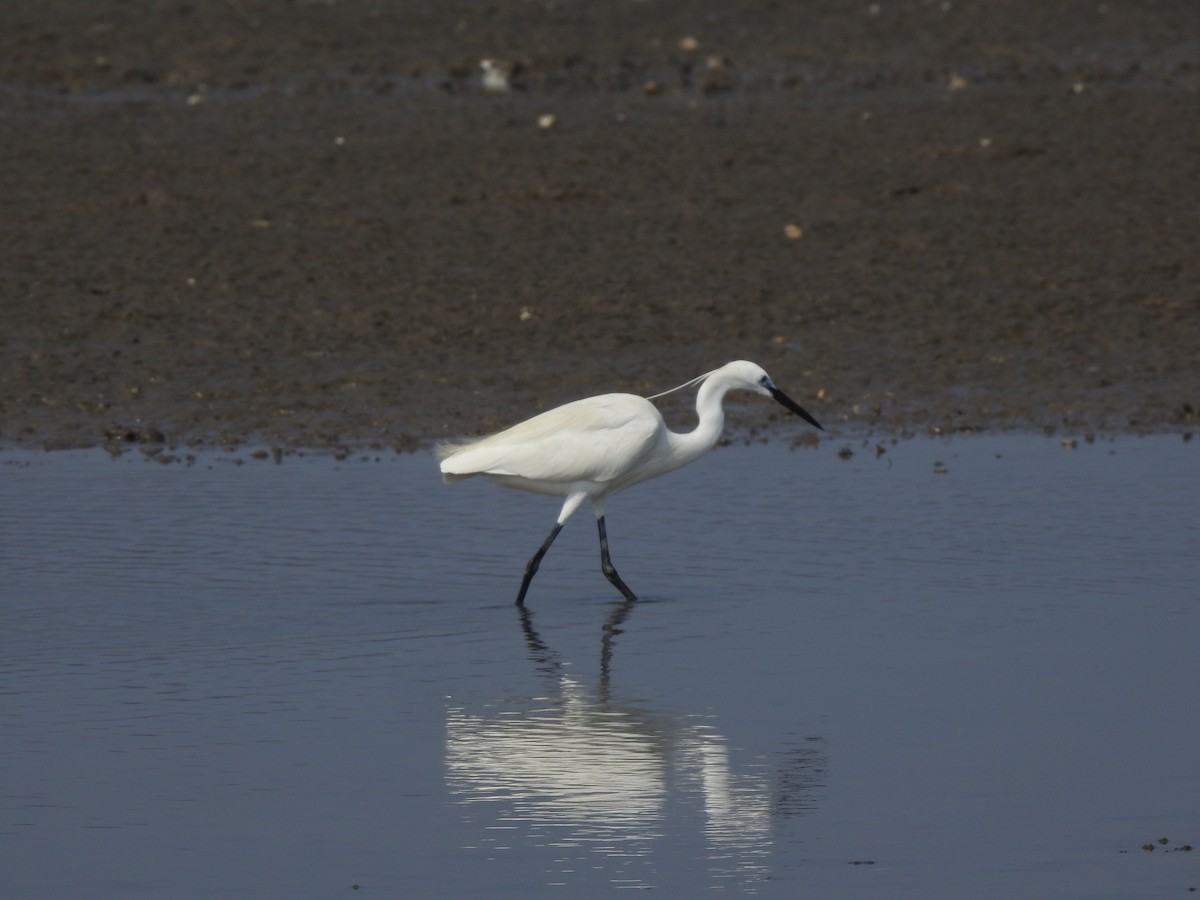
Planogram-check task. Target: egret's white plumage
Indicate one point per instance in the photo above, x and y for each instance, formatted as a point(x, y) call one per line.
point(590, 448)
point(594, 440)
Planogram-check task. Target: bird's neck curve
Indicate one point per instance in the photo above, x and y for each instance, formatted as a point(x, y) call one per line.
point(693, 444)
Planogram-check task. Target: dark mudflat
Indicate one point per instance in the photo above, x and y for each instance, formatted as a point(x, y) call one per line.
point(306, 225)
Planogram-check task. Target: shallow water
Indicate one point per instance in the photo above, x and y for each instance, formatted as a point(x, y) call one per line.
point(847, 678)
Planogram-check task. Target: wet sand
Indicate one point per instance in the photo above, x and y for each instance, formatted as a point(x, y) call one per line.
point(307, 225)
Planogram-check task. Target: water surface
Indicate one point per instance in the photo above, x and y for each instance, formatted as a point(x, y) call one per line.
point(873, 676)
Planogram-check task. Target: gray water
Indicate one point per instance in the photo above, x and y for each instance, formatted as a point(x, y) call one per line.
point(863, 677)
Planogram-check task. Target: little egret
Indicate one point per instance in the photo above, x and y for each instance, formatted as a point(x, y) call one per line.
point(591, 448)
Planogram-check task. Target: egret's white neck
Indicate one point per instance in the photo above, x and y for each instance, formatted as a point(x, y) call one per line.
point(693, 444)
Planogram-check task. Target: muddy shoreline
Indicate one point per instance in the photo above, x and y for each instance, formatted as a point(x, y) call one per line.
point(308, 226)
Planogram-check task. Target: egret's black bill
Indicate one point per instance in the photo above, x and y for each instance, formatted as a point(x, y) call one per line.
point(795, 407)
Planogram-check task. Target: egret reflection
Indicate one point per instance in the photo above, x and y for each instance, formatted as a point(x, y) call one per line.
point(603, 784)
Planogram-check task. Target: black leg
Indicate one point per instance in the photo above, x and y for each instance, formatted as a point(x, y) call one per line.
point(531, 567)
point(610, 571)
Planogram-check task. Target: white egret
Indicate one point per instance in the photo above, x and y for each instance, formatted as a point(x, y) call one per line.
point(591, 448)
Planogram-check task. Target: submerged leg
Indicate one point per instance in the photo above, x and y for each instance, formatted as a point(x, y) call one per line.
point(531, 567)
point(610, 571)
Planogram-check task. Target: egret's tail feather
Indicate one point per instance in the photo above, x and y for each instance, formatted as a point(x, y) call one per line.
point(446, 449)
point(462, 458)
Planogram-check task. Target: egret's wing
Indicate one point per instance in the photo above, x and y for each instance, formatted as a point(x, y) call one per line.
point(597, 439)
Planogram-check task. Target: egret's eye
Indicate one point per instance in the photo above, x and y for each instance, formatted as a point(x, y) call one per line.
point(764, 381)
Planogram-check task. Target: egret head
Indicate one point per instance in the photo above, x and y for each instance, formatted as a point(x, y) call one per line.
point(742, 375)
point(751, 376)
